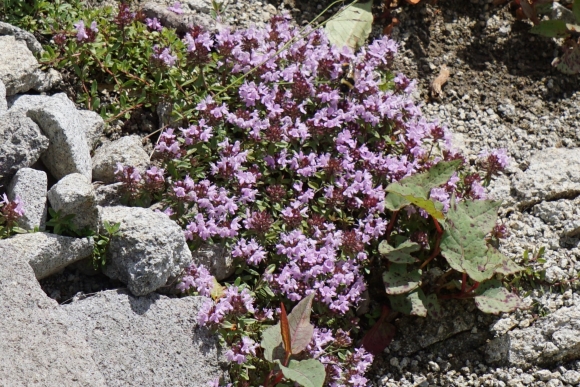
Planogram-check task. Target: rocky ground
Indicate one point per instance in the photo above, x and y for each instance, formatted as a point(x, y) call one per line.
point(502, 92)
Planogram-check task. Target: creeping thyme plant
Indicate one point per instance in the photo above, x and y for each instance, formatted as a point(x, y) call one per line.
point(10, 212)
point(320, 193)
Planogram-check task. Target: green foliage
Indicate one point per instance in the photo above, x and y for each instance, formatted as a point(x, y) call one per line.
point(462, 243)
point(351, 26)
point(309, 373)
point(569, 61)
point(61, 224)
point(102, 242)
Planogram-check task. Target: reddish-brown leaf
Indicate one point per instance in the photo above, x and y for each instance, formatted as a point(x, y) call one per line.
point(380, 335)
point(285, 327)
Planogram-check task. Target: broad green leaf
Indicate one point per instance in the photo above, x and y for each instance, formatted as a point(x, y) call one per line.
point(351, 26)
point(505, 266)
point(398, 281)
point(415, 189)
point(272, 343)
point(432, 304)
point(300, 331)
point(550, 28)
point(498, 299)
point(401, 253)
point(410, 304)
point(569, 62)
point(307, 373)
point(463, 244)
point(300, 328)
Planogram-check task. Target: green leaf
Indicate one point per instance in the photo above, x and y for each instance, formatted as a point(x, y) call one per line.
point(411, 304)
point(432, 304)
point(550, 29)
point(401, 253)
point(307, 373)
point(351, 26)
point(497, 299)
point(569, 62)
point(576, 10)
point(301, 330)
point(463, 244)
point(505, 265)
point(398, 281)
point(415, 189)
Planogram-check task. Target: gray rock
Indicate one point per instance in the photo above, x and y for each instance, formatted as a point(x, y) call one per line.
point(30, 186)
point(50, 253)
point(553, 339)
point(3, 102)
point(555, 274)
point(553, 173)
point(126, 150)
point(147, 341)
point(571, 377)
point(18, 66)
point(90, 122)
point(150, 250)
point(37, 345)
point(60, 121)
point(181, 22)
point(19, 69)
point(20, 34)
point(74, 194)
point(109, 195)
point(217, 259)
point(93, 126)
point(21, 144)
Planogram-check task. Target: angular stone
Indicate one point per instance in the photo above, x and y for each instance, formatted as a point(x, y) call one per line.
point(21, 144)
point(93, 126)
point(20, 34)
point(30, 186)
point(90, 122)
point(62, 124)
point(150, 249)
point(147, 341)
point(553, 174)
point(18, 66)
point(109, 195)
point(552, 339)
point(126, 150)
point(217, 259)
point(37, 344)
point(3, 102)
point(74, 194)
point(181, 22)
point(50, 253)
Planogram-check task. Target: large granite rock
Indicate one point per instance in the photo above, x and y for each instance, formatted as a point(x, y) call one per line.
point(150, 249)
point(151, 341)
point(49, 253)
point(90, 122)
point(3, 101)
point(60, 121)
point(19, 34)
point(217, 259)
point(74, 194)
point(19, 69)
point(181, 22)
point(553, 174)
point(126, 150)
point(553, 339)
point(21, 144)
point(37, 345)
point(30, 186)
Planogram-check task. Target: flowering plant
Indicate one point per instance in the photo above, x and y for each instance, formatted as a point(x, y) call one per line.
point(318, 192)
point(10, 212)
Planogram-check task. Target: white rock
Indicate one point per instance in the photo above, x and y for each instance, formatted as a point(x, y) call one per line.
point(147, 341)
point(62, 124)
point(30, 186)
point(217, 259)
point(74, 194)
point(3, 102)
point(33, 45)
point(127, 151)
point(150, 250)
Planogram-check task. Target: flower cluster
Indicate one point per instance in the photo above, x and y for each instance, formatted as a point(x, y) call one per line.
point(235, 302)
point(239, 351)
point(10, 210)
point(137, 186)
point(84, 35)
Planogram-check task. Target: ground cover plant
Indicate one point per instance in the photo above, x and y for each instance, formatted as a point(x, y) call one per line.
point(10, 212)
point(312, 164)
